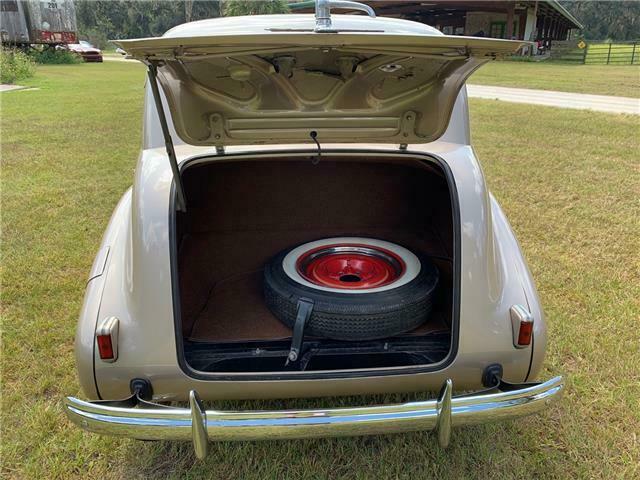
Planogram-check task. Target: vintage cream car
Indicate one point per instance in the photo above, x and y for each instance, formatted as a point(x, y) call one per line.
point(308, 218)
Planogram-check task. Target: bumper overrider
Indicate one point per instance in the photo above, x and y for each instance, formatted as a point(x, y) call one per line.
point(137, 418)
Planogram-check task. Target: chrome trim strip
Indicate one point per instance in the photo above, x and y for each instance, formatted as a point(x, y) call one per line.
point(156, 422)
point(99, 262)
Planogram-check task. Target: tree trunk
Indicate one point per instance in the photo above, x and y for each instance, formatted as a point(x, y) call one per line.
point(188, 10)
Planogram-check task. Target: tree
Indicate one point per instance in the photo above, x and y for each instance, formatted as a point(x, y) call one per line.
point(233, 8)
point(188, 10)
point(606, 20)
point(104, 20)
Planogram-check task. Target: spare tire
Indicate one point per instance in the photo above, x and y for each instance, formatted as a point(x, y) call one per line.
point(361, 288)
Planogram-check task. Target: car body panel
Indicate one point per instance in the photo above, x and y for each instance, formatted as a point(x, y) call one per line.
point(88, 52)
point(138, 284)
point(133, 283)
point(85, 339)
point(372, 80)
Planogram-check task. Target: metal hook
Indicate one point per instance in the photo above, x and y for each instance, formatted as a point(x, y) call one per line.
point(314, 136)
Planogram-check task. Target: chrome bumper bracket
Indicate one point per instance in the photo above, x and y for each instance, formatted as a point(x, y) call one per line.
point(443, 407)
point(198, 425)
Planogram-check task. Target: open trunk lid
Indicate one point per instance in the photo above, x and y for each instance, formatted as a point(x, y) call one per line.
point(276, 78)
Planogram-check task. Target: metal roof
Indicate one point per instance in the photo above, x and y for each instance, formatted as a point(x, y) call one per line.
point(552, 6)
point(565, 13)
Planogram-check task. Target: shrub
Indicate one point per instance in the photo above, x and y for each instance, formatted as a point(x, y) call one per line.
point(49, 56)
point(96, 37)
point(233, 8)
point(15, 65)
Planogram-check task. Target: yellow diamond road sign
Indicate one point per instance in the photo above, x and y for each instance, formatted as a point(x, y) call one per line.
point(582, 44)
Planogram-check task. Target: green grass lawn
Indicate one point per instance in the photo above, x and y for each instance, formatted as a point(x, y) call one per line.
point(618, 80)
point(570, 186)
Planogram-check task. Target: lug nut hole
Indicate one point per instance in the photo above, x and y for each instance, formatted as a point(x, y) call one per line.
point(350, 278)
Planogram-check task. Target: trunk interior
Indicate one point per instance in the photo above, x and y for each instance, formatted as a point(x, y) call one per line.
point(243, 212)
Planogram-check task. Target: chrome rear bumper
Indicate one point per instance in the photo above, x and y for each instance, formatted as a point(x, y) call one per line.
point(136, 418)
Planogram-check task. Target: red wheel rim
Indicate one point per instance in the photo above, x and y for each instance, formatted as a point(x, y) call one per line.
point(350, 267)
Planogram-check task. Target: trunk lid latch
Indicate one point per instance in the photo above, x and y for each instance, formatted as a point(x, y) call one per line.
point(314, 136)
point(305, 308)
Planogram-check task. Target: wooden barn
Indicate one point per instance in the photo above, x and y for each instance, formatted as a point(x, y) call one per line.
point(541, 21)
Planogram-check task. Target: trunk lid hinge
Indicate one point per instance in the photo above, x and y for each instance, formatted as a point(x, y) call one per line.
point(171, 153)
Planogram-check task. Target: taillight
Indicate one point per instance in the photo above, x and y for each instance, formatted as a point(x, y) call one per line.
point(522, 325)
point(105, 347)
point(107, 339)
point(524, 334)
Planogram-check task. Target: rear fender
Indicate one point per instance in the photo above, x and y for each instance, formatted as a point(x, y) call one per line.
point(512, 258)
point(85, 334)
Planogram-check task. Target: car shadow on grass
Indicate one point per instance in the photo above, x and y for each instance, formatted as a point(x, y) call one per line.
point(500, 450)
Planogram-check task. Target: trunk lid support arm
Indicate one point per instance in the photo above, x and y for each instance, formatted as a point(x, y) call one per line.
point(171, 153)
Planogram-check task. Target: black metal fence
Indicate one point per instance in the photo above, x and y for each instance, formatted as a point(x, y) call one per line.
point(624, 53)
point(597, 53)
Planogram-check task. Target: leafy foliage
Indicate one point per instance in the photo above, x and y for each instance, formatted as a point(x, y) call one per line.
point(103, 20)
point(15, 65)
point(233, 8)
point(607, 20)
point(52, 56)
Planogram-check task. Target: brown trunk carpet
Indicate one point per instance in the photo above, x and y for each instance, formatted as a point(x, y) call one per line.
point(241, 214)
point(236, 312)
